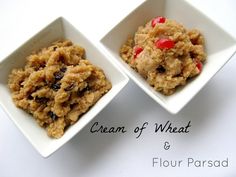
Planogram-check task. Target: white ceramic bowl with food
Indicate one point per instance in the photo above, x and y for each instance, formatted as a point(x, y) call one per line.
point(58, 29)
point(220, 46)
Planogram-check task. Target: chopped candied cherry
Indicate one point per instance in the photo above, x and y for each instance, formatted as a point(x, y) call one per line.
point(158, 19)
point(164, 43)
point(199, 66)
point(137, 51)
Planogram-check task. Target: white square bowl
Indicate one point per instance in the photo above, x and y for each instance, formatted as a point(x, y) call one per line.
point(58, 29)
point(220, 46)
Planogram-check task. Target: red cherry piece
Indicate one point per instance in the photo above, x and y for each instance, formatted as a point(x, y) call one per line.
point(137, 50)
point(164, 43)
point(199, 66)
point(158, 19)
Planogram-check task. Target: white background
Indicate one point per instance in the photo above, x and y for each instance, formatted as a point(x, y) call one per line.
point(212, 111)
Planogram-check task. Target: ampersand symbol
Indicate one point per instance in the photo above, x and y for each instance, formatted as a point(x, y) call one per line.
point(166, 145)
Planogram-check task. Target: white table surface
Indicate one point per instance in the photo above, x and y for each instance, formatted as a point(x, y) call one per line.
point(212, 112)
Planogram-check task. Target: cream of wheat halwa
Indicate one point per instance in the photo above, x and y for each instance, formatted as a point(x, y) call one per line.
point(57, 85)
point(165, 54)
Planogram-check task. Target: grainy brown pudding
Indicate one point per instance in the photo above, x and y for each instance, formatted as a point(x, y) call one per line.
point(57, 85)
point(165, 53)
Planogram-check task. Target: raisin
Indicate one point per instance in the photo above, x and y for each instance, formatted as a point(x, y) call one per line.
point(64, 104)
point(81, 92)
point(73, 105)
point(61, 58)
point(178, 75)
point(52, 115)
point(30, 97)
point(41, 100)
point(56, 86)
point(70, 87)
point(193, 55)
point(58, 75)
point(63, 69)
point(37, 87)
point(55, 48)
point(161, 69)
